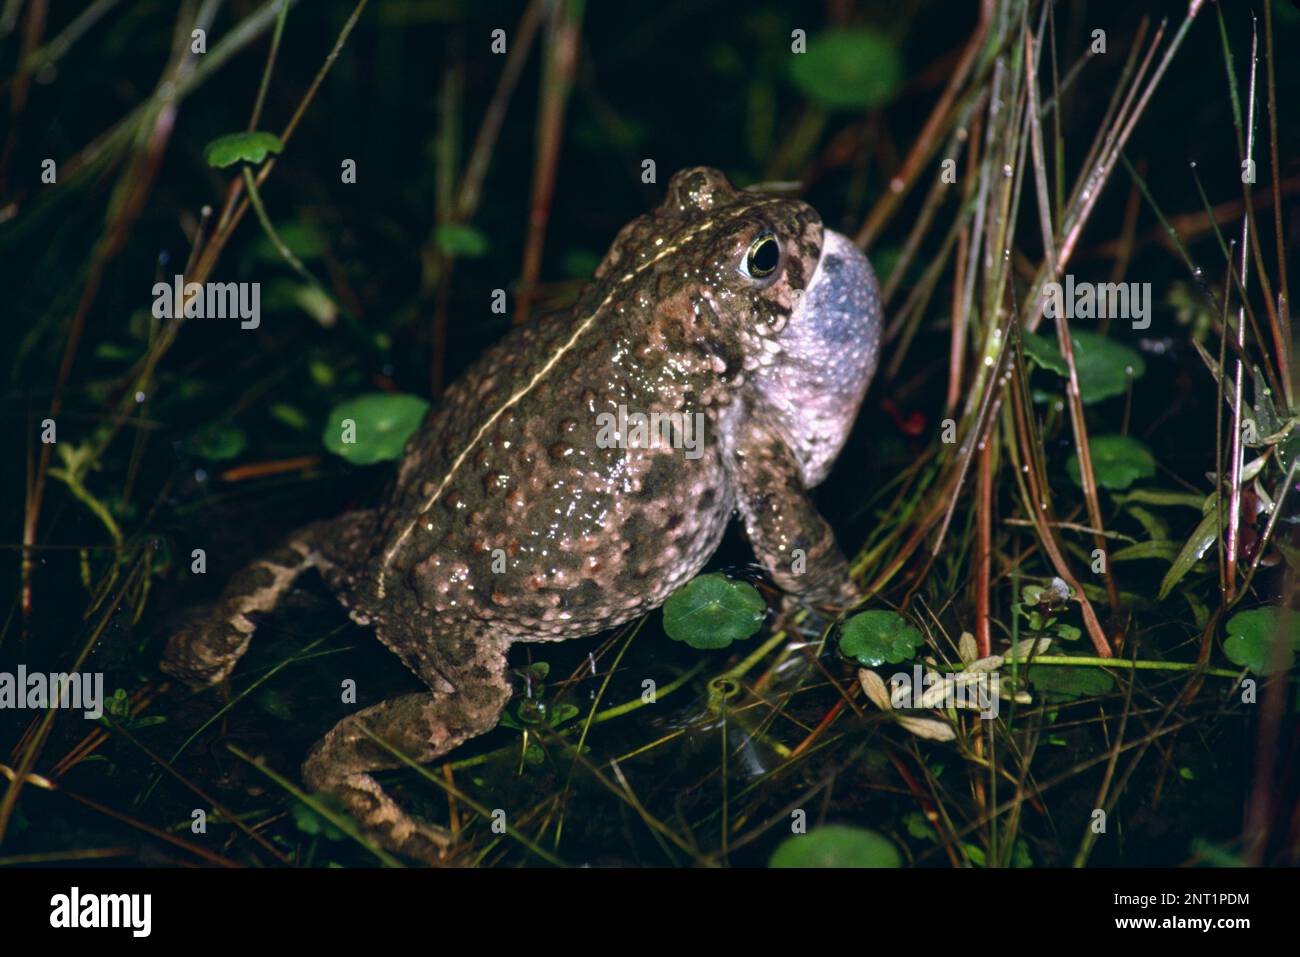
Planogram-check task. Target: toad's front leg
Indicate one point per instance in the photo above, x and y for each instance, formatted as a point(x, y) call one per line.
point(466, 700)
point(789, 537)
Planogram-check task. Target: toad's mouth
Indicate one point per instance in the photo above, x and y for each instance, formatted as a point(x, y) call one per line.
point(829, 350)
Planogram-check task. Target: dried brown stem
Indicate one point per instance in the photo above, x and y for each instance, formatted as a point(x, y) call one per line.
point(928, 138)
point(562, 31)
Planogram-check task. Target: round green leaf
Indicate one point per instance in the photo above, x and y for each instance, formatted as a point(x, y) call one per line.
point(1103, 364)
point(530, 711)
point(836, 846)
point(1117, 461)
point(712, 611)
point(220, 441)
point(537, 671)
point(249, 147)
point(456, 239)
point(1044, 352)
point(1251, 634)
point(381, 425)
point(1067, 681)
point(848, 69)
point(561, 713)
point(880, 637)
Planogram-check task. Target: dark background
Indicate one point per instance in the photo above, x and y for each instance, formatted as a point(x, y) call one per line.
point(680, 83)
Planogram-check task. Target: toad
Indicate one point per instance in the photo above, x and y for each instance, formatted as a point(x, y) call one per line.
point(519, 515)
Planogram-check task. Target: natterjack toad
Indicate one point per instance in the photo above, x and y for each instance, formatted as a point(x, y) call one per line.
point(534, 505)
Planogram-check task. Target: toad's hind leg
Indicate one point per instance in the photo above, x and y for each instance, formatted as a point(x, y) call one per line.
point(421, 727)
point(206, 649)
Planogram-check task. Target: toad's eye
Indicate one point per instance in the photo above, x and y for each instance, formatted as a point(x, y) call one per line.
point(763, 256)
